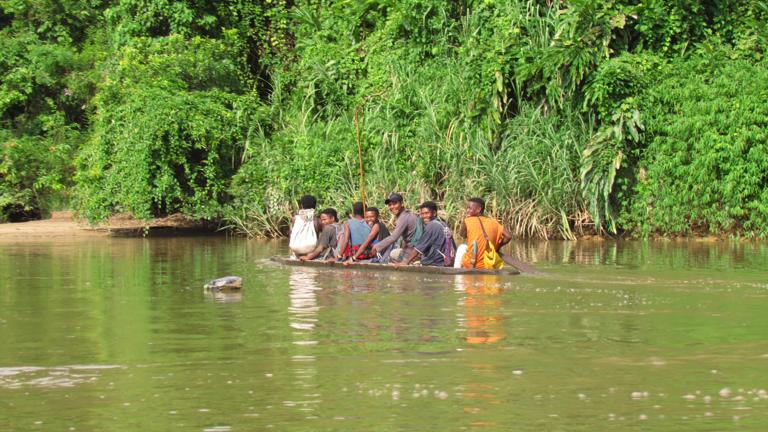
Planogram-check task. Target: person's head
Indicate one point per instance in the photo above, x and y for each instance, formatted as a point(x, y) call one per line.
point(428, 211)
point(329, 216)
point(357, 209)
point(475, 207)
point(371, 215)
point(395, 203)
point(308, 202)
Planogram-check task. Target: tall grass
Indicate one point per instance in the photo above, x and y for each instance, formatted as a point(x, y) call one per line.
point(529, 178)
point(527, 104)
point(532, 181)
point(443, 128)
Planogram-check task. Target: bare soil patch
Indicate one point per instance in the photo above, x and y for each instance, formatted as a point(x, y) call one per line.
point(63, 225)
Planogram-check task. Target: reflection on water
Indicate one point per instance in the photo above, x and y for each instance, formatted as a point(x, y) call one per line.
point(613, 336)
point(482, 306)
point(224, 296)
point(481, 316)
point(303, 312)
point(53, 377)
point(304, 308)
point(652, 254)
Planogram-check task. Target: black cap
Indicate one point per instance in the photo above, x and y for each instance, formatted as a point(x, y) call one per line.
point(395, 197)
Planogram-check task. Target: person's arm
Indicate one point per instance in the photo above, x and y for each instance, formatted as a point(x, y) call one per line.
point(463, 230)
point(314, 254)
point(431, 233)
point(409, 256)
point(322, 243)
point(506, 237)
point(371, 237)
point(400, 227)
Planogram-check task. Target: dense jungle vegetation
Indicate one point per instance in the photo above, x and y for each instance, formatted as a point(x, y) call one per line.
point(644, 117)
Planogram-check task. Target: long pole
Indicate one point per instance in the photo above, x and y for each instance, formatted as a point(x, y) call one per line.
point(360, 156)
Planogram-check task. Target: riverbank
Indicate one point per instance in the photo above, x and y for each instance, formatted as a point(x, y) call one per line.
point(63, 225)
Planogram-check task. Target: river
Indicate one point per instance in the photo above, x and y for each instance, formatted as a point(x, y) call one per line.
point(118, 335)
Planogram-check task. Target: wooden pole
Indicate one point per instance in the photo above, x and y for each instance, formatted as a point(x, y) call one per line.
point(360, 157)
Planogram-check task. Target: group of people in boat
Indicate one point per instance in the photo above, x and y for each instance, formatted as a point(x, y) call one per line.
point(420, 237)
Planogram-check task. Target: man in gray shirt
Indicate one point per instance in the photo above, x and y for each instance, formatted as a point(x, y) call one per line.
point(432, 246)
point(405, 228)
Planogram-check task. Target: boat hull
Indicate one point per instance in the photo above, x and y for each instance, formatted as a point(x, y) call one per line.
point(402, 269)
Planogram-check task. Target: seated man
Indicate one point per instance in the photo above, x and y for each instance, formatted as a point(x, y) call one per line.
point(435, 247)
point(328, 242)
point(356, 232)
point(478, 230)
point(378, 233)
point(405, 230)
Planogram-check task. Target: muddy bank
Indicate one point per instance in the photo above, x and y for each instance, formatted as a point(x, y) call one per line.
point(63, 225)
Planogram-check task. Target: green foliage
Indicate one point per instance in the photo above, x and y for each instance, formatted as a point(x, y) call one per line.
point(158, 152)
point(35, 171)
point(177, 64)
point(601, 163)
point(169, 130)
point(570, 44)
point(613, 87)
point(43, 91)
point(564, 115)
point(706, 165)
point(432, 127)
point(664, 25)
point(61, 22)
point(669, 26)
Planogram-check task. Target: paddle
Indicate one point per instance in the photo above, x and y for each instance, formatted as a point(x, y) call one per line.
point(519, 265)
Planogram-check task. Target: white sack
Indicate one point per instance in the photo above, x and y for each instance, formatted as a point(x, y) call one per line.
point(303, 235)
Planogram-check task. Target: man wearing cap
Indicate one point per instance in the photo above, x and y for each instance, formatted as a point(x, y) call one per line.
point(405, 227)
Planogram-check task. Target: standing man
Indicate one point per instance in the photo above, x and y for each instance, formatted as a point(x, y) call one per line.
point(405, 228)
point(432, 245)
point(478, 230)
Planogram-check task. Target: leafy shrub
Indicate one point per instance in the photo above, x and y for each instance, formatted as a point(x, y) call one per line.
point(42, 96)
point(169, 130)
point(706, 164)
point(678, 26)
point(35, 173)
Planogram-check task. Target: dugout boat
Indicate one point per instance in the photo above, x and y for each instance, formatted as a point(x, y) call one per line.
point(403, 269)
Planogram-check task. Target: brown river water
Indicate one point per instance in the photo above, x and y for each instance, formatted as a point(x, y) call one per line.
point(118, 335)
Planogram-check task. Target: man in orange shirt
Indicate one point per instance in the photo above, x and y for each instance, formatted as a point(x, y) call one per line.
point(478, 230)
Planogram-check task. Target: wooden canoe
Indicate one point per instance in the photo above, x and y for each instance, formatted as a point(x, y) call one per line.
point(383, 267)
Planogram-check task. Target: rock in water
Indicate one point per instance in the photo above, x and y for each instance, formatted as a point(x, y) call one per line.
point(225, 283)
